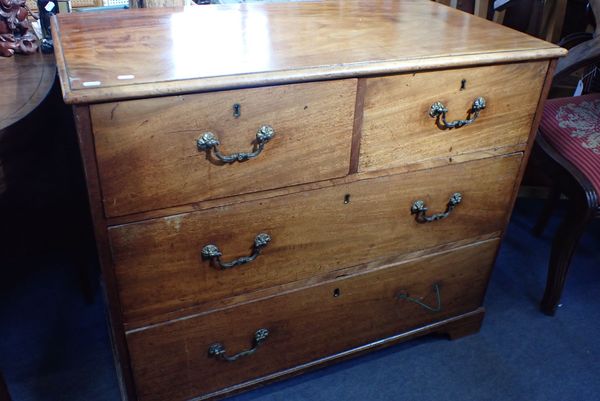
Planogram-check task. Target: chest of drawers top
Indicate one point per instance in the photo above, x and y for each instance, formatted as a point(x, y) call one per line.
point(154, 52)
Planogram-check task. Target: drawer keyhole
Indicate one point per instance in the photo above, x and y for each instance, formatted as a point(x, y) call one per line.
point(336, 293)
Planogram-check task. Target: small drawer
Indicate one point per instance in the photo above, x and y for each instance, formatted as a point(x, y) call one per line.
point(398, 130)
point(185, 358)
point(165, 265)
point(157, 153)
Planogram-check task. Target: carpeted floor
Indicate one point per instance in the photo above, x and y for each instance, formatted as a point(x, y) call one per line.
point(55, 347)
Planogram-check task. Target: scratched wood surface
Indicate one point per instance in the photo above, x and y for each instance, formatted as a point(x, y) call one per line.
point(171, 361)
point(398, 130)
point(150, 52)
point(159, 268)
point(156, 140)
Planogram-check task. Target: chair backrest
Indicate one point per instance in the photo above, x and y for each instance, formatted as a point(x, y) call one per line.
point(522, 15)
point(539, 18)
point(583, 54)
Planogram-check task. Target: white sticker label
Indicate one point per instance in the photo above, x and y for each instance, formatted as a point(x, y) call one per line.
point(579, 89)
point(49, 6)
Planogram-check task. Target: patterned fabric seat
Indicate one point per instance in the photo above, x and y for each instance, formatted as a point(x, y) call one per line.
point(572, 127)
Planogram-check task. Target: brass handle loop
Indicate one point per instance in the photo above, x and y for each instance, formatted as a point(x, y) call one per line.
point(438, 111)
point(217, 350)
point(209, 141)
point(437, 308)
point(213, 253)
point(419, 209)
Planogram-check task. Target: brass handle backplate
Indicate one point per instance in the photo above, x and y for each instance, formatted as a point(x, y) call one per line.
point(437, 308)
point(209, 141)
point(217, 350)
point(438, 111)
point(213, 253)
point(419, 209)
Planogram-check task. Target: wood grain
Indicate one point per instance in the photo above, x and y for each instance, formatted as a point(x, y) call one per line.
point(553, 21)
point(158, 262)
point(481, 8)
point(464, 324)
point(270, 292)
point(156, 140)
point(552, 67)
point(273, 193)
point(156, 200)
point(83, 124)
point(25, 82)
point(398, 130)
point(358, 123)
point(159, 53)
point(171, 362)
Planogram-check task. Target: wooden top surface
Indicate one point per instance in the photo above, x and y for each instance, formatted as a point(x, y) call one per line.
point(151, 52)
point(25, 80)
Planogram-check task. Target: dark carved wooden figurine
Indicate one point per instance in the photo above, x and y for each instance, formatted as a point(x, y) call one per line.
point(16, 34)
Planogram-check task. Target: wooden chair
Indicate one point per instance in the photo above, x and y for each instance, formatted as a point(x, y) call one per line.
point(568, 153)
point(540, 18)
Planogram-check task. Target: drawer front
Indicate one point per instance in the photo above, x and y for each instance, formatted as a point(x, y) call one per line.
point(398, 130)
point(148, 156)
point(172, 362)
point(158, 262)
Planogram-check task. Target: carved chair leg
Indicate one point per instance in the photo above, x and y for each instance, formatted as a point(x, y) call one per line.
point(549, 207)
point(563, 247)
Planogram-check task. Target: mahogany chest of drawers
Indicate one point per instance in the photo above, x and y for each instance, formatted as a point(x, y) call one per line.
point(278, 186)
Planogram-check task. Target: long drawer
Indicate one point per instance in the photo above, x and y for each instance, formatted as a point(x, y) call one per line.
point(398, 129)
point(175, 361)
point(160, 267)
point(149, 156)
